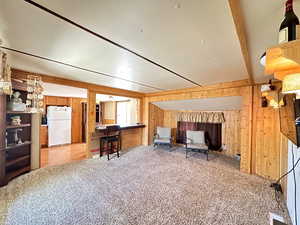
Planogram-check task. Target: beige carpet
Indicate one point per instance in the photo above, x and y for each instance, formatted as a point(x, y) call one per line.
point(141, 187)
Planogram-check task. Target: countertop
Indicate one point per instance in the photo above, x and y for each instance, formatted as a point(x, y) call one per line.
point(99, 131)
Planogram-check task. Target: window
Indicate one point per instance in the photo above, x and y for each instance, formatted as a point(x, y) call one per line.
point(127, 112)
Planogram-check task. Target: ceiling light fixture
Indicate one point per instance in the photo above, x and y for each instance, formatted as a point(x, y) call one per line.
point(262, 59)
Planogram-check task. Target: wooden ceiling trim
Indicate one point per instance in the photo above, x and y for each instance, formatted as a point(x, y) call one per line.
point(21, 74)
point(109, 41)
point(239, 22)
point(225, 85)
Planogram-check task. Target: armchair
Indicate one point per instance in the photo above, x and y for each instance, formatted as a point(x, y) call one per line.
point(162, 137)
point(195, 140)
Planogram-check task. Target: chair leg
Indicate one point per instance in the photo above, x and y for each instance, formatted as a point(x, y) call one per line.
point(186, 153)
point(108, 149)
point(206, 155)
point(118, 148)
point(100, 149)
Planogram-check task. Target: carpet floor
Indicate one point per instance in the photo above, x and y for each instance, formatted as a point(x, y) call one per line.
point(143, 186)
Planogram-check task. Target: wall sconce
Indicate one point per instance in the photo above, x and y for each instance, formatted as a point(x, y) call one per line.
point(271, 96)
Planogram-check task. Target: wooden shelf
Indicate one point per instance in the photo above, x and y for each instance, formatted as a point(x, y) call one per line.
point(18, 146)
point(18, 112)
point(16, 173)
point(14, 161)
point(283, 59)
point(18, 126)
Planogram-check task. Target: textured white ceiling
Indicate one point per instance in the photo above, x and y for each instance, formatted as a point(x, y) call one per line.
point(64, 91)
point(206, 104)
point(197, 39)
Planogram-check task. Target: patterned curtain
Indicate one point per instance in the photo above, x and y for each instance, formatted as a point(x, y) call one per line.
point(201, 117)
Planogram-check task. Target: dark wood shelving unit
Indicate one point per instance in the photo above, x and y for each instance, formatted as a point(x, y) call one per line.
point(15, 159)
point(17, 145)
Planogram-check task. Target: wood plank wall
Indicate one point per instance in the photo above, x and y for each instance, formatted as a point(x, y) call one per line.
point(262, 146)
point(231, 132)
point(269, 145)
point(240, 88)
point(231, 129)
point(156, 119)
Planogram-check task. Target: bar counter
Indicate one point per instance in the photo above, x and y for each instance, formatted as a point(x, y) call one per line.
point(131, 136)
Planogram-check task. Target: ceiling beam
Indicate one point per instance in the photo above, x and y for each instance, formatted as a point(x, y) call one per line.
point(239, 22)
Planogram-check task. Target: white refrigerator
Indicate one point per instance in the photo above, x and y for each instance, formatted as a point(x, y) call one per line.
point(59, 121)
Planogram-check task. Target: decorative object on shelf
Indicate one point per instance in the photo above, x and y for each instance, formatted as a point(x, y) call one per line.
point(16, 103)
point(289, 28)
point(15, 120)
point(16, 139)
point(5, 75)
point(35, 93)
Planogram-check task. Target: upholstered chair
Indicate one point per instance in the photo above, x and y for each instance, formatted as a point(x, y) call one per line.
point(195, 140)
point(162, 137)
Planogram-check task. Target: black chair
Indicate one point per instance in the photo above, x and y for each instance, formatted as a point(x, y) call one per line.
point(111, 141)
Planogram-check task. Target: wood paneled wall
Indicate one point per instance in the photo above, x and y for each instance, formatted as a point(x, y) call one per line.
point(262, 147)
point(240, 88)
point(156, 119)
point(268, 142)
point(231, 132)
point(110, 112)
point(231, 129)
point(77, 123)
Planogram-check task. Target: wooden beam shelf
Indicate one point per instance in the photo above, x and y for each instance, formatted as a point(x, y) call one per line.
point(14, 161)
point(18, 112)
point(283, 59)
point(18, 145)
point(18, 126)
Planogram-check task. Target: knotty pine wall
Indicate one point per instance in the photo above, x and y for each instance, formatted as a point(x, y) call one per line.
point(240, 88)
point(156, 119)
point(262, 146)
point(231, 129)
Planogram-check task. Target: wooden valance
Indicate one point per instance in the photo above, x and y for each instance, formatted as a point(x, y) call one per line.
point(201, 117)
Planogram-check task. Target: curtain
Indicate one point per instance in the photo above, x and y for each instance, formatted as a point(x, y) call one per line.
point(201, 117)
point(213, 133)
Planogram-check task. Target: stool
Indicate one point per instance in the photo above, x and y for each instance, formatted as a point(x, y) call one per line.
point(111, 141)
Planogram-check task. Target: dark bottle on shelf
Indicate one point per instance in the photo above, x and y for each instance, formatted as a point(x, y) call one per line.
point(289, 25)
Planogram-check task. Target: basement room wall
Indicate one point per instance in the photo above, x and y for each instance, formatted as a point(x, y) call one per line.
point(290, 182)
point(231, 129)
